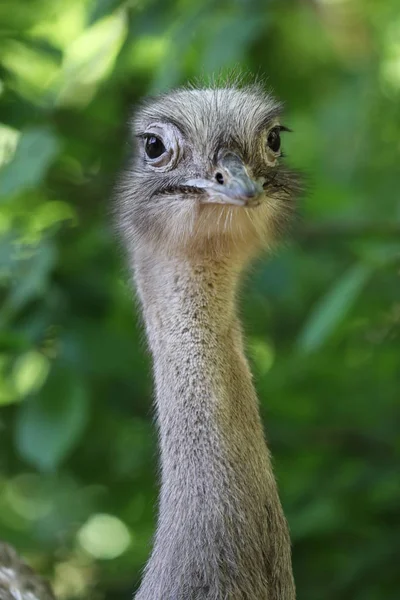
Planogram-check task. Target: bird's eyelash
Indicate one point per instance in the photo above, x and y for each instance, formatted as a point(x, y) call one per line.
point(143, 135)
point(284, 128)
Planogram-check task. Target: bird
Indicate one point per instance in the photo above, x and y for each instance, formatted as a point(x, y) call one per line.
point(18, 581)
point(206, 190)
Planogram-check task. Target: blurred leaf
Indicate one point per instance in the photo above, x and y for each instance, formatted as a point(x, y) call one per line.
point(6, 254)
point(323, 515)
point(8, 393)
point(263, 355)
point(34, 71)
point(31, 280)
point(36, 149)
point(183, 34)
point(91, 57)
point(102, 8)
point(51, 213)
point(49, 425)
point(332, 308)
point(229, 40)
point(30, 372)
point(8, 143)
point(379, 254)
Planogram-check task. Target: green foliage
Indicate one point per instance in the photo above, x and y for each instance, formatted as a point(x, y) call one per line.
point(35, 151)
point(77, 443)
point(332, 308)
point(48, 426)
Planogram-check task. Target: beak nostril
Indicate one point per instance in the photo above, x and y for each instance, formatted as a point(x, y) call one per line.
point(219, 178)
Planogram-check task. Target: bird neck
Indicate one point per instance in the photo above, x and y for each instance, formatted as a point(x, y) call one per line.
point(218, 495)
point(203, 383)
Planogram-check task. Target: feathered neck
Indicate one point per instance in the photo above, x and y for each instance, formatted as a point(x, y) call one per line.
point(221, 532)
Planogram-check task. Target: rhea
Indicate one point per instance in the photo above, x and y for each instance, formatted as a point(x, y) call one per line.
point(18, 581)
point(203, 194)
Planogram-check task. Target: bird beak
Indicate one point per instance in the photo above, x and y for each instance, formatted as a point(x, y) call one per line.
point(231, 184)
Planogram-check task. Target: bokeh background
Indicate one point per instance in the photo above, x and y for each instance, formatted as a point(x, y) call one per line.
point(78, 458)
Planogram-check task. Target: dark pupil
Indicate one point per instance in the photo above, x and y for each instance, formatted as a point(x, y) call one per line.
point(274, 140)
point(154, 147)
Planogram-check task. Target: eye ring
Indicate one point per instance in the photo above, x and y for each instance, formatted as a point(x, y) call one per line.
point(154, 146)
point(274, 139)
point(161, 146)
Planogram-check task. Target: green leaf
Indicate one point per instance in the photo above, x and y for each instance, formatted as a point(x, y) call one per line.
point(8, 393)
point(332, 308)
point(102, 8)
point(37, 147)
point(31, 281)
point(229, 41)
point(49, 425)
point(30, 372)
point(262, 353)
point(91, 57)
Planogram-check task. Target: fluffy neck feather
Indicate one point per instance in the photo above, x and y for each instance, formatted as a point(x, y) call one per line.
point(221, 532)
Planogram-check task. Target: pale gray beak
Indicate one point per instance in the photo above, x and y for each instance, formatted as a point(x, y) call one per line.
point(231, 184)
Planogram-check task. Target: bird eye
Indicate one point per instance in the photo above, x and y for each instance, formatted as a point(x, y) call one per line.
point(154, 147)
point(274, 139)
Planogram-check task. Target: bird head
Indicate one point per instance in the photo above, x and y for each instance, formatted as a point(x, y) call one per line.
point(207, 174)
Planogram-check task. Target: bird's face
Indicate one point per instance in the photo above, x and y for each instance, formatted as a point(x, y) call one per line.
point(207, 173)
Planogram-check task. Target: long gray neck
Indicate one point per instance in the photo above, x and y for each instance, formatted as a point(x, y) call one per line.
point(221, 532)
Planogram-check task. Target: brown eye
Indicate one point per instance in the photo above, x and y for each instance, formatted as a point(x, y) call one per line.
point(154, 147)
point(274, 139)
